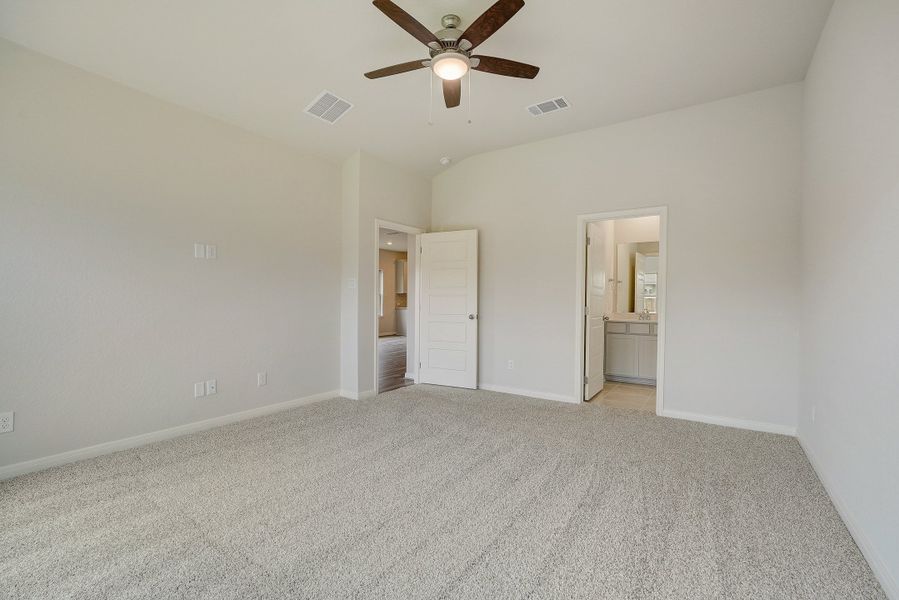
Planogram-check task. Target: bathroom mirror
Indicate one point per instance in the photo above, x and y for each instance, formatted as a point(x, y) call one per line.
point(636, 277)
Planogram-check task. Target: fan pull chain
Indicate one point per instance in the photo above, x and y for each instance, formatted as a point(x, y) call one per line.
point(431, 101)
point(469, 96)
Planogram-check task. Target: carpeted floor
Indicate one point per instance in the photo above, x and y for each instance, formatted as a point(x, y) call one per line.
point(429, 492)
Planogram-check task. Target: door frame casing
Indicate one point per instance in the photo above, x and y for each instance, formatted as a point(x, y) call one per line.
point(411, 230)
point(581, 291)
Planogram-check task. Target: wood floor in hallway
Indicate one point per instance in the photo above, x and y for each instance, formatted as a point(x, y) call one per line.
point(392, 363)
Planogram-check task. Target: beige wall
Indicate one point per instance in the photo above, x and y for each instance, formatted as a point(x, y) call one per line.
point(640, 229)
point(106, 319)
point(387, 263)
point(728, 172)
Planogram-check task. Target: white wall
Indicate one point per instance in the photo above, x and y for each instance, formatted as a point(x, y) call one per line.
point(349, 268)
point(373, 189)
point(729, 173)
point(850, 215)
point(106, 319)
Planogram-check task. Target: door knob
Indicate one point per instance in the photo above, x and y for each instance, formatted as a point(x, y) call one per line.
point(471, 317)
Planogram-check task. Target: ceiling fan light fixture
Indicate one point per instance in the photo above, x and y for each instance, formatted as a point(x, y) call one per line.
point(450, 49)
point(450, 66)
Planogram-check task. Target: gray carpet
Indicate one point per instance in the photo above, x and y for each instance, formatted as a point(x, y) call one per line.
point(427, 492)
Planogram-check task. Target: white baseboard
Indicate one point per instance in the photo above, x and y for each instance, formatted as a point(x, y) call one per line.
point(357, 395)
point(38, 464)
point(875, 560)
point(386, 333)
point(529, 393)
point(731, 422)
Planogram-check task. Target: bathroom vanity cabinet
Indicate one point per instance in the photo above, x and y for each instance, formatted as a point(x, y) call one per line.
point(631, 351)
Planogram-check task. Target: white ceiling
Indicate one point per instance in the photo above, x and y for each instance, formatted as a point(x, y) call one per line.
point(258, 64)
point(398, 242)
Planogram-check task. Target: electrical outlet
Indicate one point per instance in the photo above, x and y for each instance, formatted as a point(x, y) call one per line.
point(199, 251)
point(261, 379)
point(211, 251)
point(199, 389)
point(7, 422)
point(510, 365)
point(210, 387)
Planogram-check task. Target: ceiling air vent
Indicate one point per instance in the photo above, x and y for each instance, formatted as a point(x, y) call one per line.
point(548, 106)
point(328, 107)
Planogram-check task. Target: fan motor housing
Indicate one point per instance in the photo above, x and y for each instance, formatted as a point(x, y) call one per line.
point(450, 34)
point(451, 21)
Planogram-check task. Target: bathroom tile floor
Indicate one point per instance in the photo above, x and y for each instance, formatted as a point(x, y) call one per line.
point(627, 395)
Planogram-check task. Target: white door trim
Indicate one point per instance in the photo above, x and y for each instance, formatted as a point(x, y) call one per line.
point(580, 291)
point(416, 231)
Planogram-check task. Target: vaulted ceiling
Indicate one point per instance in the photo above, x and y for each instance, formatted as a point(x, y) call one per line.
point(258, 64)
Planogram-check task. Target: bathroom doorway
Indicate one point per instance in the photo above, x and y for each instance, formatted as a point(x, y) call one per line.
point(620, 295)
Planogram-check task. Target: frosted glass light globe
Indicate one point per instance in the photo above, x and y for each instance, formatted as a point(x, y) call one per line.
point(450, 65)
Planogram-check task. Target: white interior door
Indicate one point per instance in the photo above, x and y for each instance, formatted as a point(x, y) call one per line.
point(599, 273)
point(448, 309)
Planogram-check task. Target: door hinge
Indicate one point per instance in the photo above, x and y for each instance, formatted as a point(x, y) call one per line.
point(586, 380)
point(588, 240)
point(586, 310)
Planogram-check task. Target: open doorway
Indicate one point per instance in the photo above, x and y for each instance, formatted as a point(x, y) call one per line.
point(394, 315)
point(621, 308)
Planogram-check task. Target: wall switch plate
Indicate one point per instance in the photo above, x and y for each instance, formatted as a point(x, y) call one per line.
point(199, 251)
point(510, 365)
point(211, 251)
point(199, 389)
point(210, 387)
point(7, 422)
point(261, 378)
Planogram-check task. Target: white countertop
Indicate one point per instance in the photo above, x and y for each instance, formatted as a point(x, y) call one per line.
point(630, 320)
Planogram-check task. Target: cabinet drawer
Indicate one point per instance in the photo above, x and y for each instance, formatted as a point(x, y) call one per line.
point(616, 327)
point(638, 328)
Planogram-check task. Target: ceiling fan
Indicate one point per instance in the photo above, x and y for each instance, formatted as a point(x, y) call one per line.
point(451, 47)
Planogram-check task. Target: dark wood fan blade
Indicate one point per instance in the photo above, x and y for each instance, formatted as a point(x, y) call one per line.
point(487, 24)
point(452, 92)
point(503, 66)
point(396, 69)
point(406, 21)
